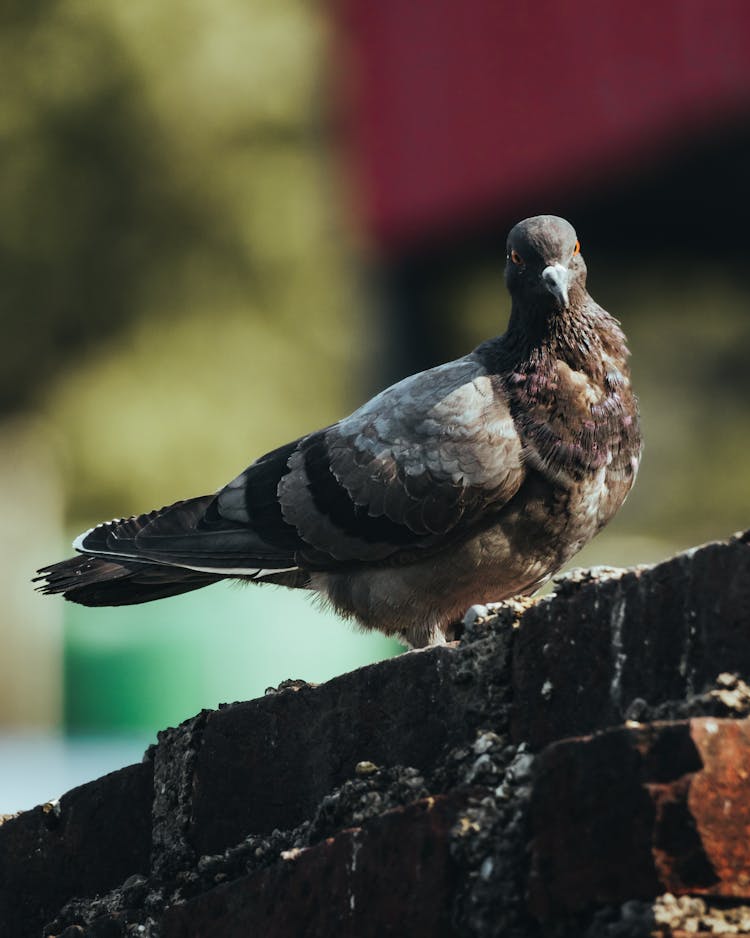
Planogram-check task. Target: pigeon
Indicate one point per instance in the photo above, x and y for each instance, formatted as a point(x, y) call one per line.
point(468, 483)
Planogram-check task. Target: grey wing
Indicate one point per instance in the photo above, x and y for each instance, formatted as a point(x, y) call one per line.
point(406, 471)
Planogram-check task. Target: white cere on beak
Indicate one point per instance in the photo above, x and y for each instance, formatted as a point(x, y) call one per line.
point(556, 278)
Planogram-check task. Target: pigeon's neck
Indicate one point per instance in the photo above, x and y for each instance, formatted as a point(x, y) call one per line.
point(574, 335)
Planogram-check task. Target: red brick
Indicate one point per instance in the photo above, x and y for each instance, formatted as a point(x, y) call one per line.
point(719, 803)
point(636, 812)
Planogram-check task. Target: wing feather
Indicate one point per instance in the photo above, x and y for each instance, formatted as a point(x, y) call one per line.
point(412, 468)
point(415, 464)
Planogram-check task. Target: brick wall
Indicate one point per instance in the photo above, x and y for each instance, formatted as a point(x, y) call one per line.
point(579, 766)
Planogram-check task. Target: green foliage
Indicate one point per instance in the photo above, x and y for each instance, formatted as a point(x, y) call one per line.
point(174, 294)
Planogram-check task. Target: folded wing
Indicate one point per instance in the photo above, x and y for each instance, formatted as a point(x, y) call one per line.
point(406, 472)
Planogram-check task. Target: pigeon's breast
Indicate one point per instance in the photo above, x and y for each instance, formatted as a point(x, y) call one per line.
point(579, 427)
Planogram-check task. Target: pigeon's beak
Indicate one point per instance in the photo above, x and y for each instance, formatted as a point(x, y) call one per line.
point(555, 278)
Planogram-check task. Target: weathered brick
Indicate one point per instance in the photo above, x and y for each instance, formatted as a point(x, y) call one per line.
point(639, 811)
point(93, 839)
point(281, 754)
point(719, 804)
point(394, 876)
point(660, 634)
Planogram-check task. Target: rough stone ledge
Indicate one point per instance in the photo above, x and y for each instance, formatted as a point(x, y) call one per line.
point(643, 644)
point(222, 800)
point(346, 885)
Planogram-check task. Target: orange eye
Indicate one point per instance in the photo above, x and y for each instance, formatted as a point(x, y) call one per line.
point(577, 248)
point(516, 258)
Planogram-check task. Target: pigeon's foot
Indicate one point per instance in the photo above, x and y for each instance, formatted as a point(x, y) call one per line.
point(484, 612)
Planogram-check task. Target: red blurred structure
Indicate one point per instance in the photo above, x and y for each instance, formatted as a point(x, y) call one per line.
point(459, 112)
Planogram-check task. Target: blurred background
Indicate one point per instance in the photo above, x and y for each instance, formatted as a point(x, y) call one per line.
point(223, 225)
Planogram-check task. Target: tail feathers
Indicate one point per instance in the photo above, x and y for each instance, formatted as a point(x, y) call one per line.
point(164, 553)
point(99, 581)
point(118, 537)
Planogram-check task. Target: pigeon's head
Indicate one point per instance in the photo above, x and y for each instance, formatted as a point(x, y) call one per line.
point(544, 263)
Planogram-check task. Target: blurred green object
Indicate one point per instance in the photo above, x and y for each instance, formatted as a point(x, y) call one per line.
point(137, 668)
